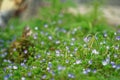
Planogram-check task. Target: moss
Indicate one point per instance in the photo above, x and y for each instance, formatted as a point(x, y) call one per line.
point(20, 49)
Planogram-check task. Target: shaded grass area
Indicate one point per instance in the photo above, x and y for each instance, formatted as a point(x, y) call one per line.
point(67, 47)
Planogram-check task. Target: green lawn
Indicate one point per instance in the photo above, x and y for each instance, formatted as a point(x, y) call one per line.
point(66, 47)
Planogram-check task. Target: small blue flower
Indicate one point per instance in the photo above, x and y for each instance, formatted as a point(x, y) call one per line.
point(114, 65)
point(49, 64)
point(107, 59)
point(87, 39)
point(52, 79)
point(117, 37)
point(90, 62)
point(118, 67)
point(67, 61)
point(25, 51)
point(37, 56)
point(61, 68)
point(53, 73)
point(35, 36)
point(104, 62)
point(22, 64)
point(71, 75)
point(6, 77)
point(44, 76)
point(88, 70)
point(94, 71)
point(85, 71)
point(29, 73)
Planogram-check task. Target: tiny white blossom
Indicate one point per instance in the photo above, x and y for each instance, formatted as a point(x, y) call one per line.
point(114, 65)
point(94, 51)
point(36, 28)
point(25, 51)
point(78, 62)
point(50, 37)
point(85, 71)
point(104, 63)
point(15, 67)
point(46, 25)
point(23, 78)
point(57, 42)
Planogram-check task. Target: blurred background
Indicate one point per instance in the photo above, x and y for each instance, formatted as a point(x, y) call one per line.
point(109, 2)
point(27, 9)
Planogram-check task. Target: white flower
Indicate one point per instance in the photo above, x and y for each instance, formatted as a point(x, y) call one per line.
point(36, 28)
point(78, 62)
point(104, 63)
point(85, 71)
point(25, 51)
point(50, 37)
point(73, 39)
point(94, 51)
point(46, 25)
point(57, 42)
point(15, 67)
point(61, 68)
point(86, 39)
point(23, 78)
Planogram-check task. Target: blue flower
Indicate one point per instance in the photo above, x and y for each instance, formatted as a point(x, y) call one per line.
point(61, 68)
point(6, 77)
point(90, 62)
point(29, 73)
point(85, 71)
point(71, 75)
point(118, 67)
point(117, 37)
point(104, 62)
point(94, 71)
point(44, 76)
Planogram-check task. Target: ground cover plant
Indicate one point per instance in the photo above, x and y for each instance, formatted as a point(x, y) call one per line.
point(65, 47)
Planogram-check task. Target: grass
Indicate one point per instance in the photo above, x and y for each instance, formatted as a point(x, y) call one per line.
point(67, 47)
